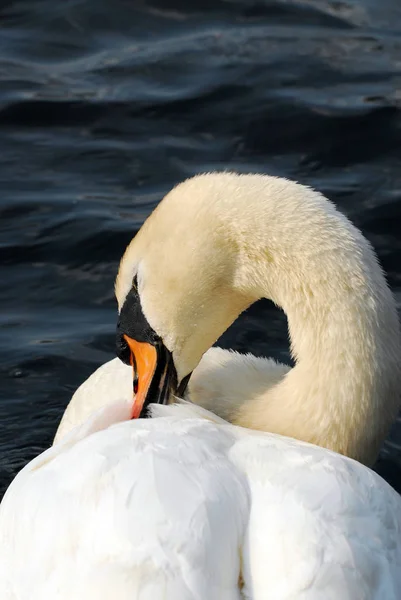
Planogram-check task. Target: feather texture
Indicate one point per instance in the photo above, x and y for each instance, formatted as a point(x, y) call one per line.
point(184, 506)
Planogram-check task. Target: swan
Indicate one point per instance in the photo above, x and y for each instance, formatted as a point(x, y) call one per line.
point(191, 504)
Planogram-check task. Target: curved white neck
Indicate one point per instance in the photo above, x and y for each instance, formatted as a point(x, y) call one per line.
point(310, 260)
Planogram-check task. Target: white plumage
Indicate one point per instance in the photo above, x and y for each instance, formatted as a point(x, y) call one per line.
point(182, 506)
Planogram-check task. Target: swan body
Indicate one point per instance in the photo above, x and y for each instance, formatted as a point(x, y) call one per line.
point(187, 506)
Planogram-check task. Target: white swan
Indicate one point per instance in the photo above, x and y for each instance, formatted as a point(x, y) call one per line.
point(185, 505)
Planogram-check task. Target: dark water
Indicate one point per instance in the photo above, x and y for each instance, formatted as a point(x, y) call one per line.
point(105, 105)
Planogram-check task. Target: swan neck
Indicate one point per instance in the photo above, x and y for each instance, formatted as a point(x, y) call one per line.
point(343, 392)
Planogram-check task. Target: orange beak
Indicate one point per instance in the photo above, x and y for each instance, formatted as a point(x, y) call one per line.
point(144, 362)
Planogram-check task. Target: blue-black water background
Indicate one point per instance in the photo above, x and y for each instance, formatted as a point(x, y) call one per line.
point(105, 105)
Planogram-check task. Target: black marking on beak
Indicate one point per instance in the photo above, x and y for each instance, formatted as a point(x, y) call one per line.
point(183, 385)
point(164, 381)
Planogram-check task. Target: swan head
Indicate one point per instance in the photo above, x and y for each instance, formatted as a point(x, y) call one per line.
point(178, 288)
